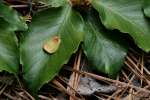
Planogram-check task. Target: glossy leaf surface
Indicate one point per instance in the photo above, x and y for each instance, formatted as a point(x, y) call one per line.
point(126, 16)
point(40, 66)
point(104, 51)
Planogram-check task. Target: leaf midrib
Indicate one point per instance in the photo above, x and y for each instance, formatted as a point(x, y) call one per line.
point(97, 37)
point(65, 16)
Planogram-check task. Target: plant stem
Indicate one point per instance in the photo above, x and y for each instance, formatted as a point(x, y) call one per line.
point(78, 2)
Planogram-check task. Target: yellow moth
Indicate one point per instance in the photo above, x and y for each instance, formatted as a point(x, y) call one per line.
point(52, 45)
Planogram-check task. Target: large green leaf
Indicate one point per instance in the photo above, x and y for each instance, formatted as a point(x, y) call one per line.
point(104, 51)
point(11, 16)
point(126, 16)
point(9, 58)
point(147, 8)
point(40, 66)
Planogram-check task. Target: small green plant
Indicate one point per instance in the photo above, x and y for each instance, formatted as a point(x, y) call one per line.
point(55, 33)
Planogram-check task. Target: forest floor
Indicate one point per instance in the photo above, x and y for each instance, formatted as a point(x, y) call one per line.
point(76, 82)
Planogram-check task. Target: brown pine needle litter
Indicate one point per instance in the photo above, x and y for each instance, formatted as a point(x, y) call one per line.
point(133, 82)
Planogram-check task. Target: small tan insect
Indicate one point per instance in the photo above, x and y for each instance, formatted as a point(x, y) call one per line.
point(52, 45)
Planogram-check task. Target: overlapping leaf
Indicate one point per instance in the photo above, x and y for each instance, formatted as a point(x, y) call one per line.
point(147, 8)
point(126, 16)
point(10, 21)
point(39, 66)
point(9, 59)
point(11, 16)
point(105, 51)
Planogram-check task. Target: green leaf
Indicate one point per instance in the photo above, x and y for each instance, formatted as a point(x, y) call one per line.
point(147, 8)
point(11, 16)
point(104, 51)
point(39, 66)
point(126, 16)
point(9, 58)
